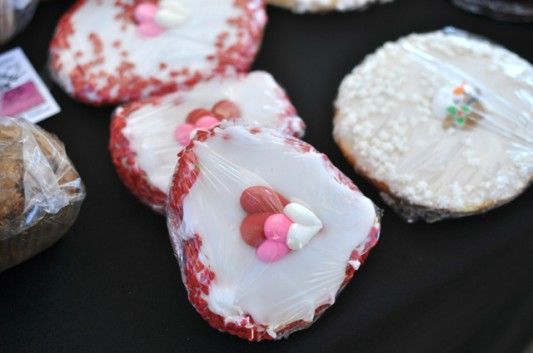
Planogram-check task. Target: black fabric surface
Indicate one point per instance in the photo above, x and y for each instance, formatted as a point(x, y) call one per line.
point(112, 284)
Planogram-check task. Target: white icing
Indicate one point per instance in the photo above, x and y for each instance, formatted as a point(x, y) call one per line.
point(301, 6)
point(290, 289)
point(150, 129)
point(306, 225)
point(185, 46)
point(390, 118)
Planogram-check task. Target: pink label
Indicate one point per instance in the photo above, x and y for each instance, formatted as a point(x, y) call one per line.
point(20, 99)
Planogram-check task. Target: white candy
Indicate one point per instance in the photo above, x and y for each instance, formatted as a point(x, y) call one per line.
point(171, 13)
point(306, 225)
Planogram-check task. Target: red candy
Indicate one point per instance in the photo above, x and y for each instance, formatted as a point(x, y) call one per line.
point(259, 199)
point(196, 114)
point(226, 110)
point(252, 229)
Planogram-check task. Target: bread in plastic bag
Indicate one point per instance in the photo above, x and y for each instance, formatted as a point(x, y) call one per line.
point(41, 192)
point(147, 135)
point(441, 123)
point(266, 230)
point(109, 52)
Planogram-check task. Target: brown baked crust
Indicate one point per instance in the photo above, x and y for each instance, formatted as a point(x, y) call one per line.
point(18, 242)
point(11, 175)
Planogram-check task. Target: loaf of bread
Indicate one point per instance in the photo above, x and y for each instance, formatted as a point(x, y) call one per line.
point(41, 192)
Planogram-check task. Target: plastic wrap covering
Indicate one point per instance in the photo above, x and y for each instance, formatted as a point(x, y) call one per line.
point(143, 48)
point(147, 135)
point(14, 17)
point(507, 10)
point(302, 6)
point(41, 192)
point(266, 230)
point(441, 122)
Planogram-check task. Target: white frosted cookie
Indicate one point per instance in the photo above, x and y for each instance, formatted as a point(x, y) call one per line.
point(302, 6)
point(113, 51)
point(267, 231)
point(441, 122)
point(147, 135)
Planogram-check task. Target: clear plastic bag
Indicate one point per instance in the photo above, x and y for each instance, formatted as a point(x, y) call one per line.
point(14, 17)
point(441, 122)
point(266, 230)
point(41, 191)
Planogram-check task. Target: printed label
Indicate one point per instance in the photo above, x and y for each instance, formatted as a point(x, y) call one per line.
point(22, 92)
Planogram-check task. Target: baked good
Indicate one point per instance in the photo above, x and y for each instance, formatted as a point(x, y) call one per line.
point(441, 123)
point(302, 6)
point(113, 51)
point(267, 231)
point(14, 17)
point(41, 191)
point(147, 135)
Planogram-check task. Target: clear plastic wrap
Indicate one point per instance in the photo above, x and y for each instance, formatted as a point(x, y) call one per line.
point(441, 122)
point(14, 17)
point(266, 230)
point(506, 10)
point(41, 192)
point(303, 6)
point(147, 135)
point(143, 48)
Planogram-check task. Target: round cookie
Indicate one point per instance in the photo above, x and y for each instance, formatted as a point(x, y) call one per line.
point(108, 52)
point(302, 6)
point(264, 251)
point(40, 191)
point(440, 122)
point(147, 135)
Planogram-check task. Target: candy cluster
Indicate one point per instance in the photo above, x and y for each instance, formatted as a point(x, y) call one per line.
point(274, 225)
point(154, 19)
point(465, 110)
point(205, 119)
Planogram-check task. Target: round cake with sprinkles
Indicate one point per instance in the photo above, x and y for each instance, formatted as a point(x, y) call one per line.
point(267, 231)
point(147, 135)
point(440, 122)
point(113, 51)
point(302, 6)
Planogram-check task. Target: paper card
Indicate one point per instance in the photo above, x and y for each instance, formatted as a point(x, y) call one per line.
point(22, 92)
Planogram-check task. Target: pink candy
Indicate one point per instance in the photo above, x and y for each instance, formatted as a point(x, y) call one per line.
point(150, 29)
point(206, 122)
point(183, 132)
point(276, 228)
point(144, 14)
point(272, 251)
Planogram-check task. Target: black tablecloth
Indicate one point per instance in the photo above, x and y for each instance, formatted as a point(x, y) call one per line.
point(112, 284)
